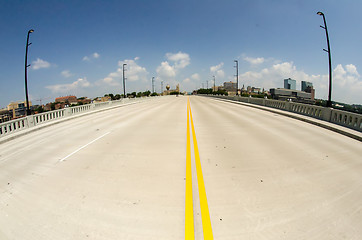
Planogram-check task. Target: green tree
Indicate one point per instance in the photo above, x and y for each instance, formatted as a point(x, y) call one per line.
point(204, 91)
point(174, 93)
point(39, 109)
point(146, 93)
point(52, 106)
point(220, 92)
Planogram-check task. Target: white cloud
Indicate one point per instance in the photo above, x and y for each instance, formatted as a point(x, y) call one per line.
point(254, 61)
point(346, 84)
point(218, 72)
point(216, 68)
point(346, 78)
point(195, 76)
point(339, 70)
point(180, 59)
point(166, 71)
point(90, 57)
point(352, 69)
point(191, 83)
point(175, 62)
point(133, 72)
point(346, 81)
point(66, 73)
point(39, 63)
point(186, 80)
point(66, 88)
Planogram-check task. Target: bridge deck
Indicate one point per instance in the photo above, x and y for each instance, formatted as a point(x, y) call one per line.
point(121, 174)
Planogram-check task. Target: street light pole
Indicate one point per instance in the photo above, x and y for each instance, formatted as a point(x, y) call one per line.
point(161, 88)
point(214, 84)
point(26, 73)
point(153, 84)
point(124, 81)
point(329, 102)
point(237, 76)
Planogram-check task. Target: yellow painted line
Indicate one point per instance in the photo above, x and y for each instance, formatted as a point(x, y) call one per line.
point(189, 209)
point(205, 215)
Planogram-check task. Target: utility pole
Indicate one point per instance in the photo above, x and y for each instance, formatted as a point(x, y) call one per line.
point(161, 88)
point(329, 102)
point(26, 73)
point(153, 84)
point(214, 84)
point(207, 84)
point(237, 76)
point(124, 81)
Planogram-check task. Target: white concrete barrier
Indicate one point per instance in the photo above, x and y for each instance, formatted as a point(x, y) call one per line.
point(13, 126)
point(343, 118)
point(16, 125)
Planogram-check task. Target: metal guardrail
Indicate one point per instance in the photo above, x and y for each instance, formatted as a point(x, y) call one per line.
point(343, 118)
point(17, 125)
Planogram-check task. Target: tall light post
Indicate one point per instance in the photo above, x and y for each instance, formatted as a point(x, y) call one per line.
point(124, 81)
point(161, 88)
point(329, 102)
point(214, 84)
point(237, 76)
point(153, 84)
point(26, 73)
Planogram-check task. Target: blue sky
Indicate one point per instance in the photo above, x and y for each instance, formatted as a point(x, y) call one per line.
point(78, 47)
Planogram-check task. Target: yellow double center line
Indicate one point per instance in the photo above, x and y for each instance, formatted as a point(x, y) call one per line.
point(189, 209)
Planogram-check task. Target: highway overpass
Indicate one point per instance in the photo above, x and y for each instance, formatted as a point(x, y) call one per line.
point(135, 172)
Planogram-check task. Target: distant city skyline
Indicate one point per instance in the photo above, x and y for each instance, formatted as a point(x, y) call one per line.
point(79, 47)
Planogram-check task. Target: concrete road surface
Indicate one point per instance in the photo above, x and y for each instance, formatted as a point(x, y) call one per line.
point(121, 174)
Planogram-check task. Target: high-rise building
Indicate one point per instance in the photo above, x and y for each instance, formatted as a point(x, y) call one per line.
point(305, 85)
point(230, 86)
point(18, 108)
point(290, 84)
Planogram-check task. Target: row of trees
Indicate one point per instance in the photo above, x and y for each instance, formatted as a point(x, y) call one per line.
point(131, 95)
point(210, 91)
point(224, 92)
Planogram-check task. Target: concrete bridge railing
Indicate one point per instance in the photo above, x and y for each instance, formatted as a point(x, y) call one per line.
point(343, 118)
point(20, 124)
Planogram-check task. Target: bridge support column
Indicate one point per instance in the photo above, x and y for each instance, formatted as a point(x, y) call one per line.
point(67, 112)
point(30, 121)
point(327, 114)
point(93, 106)
point(288, 106)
